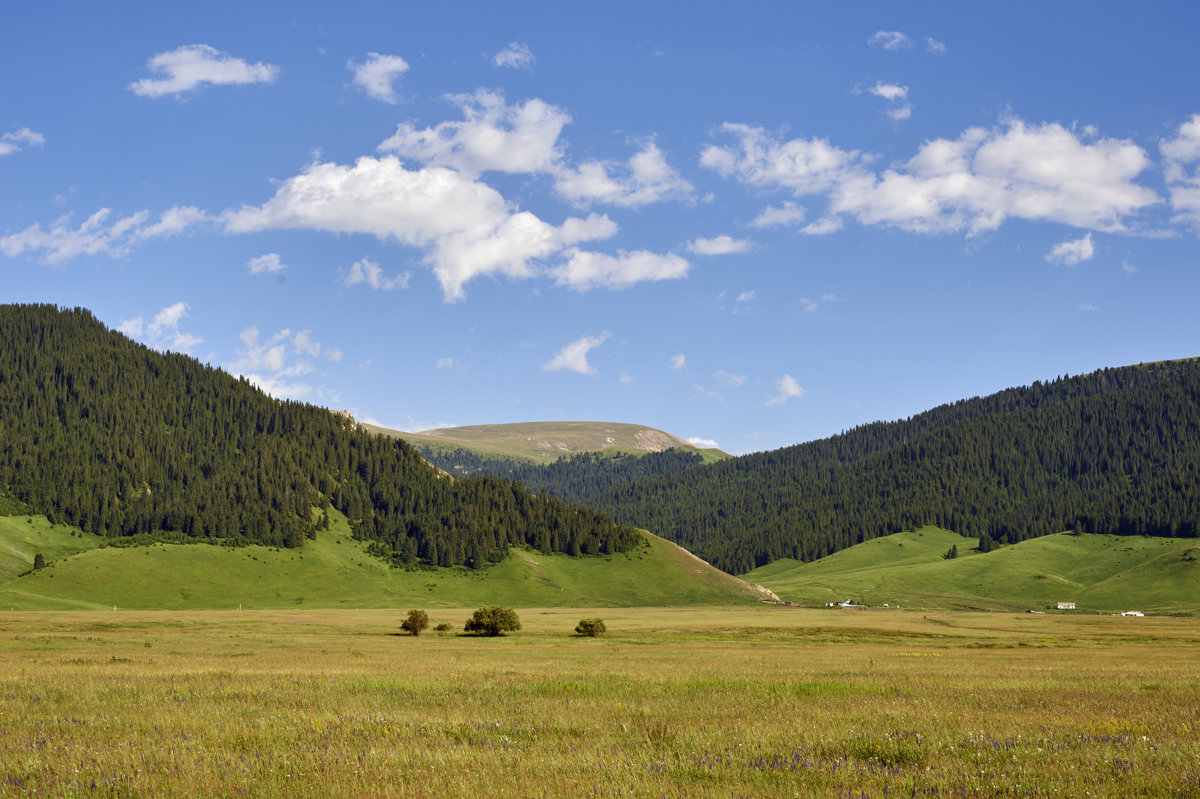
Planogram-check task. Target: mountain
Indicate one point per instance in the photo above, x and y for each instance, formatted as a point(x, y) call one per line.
point(1114, 451)
point(544, 442)
point(109, 436)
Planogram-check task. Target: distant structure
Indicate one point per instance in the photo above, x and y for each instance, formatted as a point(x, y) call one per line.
point(1133, 613)
point(1066, 605)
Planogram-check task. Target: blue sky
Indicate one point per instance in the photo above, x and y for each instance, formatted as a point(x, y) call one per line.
point(749, 226)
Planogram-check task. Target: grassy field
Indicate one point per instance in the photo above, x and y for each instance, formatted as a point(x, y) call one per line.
point(678, 702)
point(543, 442)
point(1100, 573)
point(332, 572)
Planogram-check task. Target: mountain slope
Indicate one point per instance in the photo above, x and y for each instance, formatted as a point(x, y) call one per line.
point(1100, 573)
point(117, 439)
point(1114, 451)
point(335, 571)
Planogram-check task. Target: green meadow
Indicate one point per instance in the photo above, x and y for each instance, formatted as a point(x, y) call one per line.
point(1100, 573)
point(680, 702)
point(332, 572)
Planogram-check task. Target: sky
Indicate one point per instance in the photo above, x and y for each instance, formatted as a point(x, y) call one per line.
point(750, 226)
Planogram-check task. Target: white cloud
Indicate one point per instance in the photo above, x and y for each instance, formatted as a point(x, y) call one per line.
point(162, 332)
point(646, 178)
point(626, 378)
point(493, 136)
point(369, 272)
point(889, 91)
point(515, 55)
point(465, 227)
point(703, 443)
point(823, 226)
point(972, 184)
point(805, 166)
point(1088, 307)
point(787, 214)
point(96, 235)
point(1183, 179)
point(266, 263)
point(896, 97)
point(729, 379)
point(192, 65)
point(746, 296)
point(932, 45)
point(678, 361)
point(378, 75)
point(12, 142)
point(447, 363)
point(1072, 252)
point(587, 270)
point(788, 389)
point(890, 40)
point(808, 305)
point(277, 364)
point(573, 357)
point(721, 245)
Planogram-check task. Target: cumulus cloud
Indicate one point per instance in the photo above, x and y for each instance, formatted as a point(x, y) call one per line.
point(278, 364)
point(645, 178)
point(369, 272)
point(98, 235)
point(788, 389)
point(573, 357)
point(678, 361)
point(515, 56)
point(377, 75)
point(1072, 252)
point(23, 137)
point(745, 296)
point(465, 227)
point(493, 136)
point(268, 263)
point(1181, 156)
point(162, 332)
point(703, 443)
point(193, 65)
point(971, 184)
point(721, 245)
point(787, 214)
point(932, 45)
point(890, 40)
point(587, 270)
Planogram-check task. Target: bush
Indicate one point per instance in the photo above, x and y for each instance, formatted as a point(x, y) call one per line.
point(590, 627)
point(417, 620)
point(444, 627)
point(493, 621)
point(39, 561)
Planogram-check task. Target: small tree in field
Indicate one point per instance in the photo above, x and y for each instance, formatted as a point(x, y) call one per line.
point(590, 628)
point(493, 621)
point(417, 620)
point(39, 561)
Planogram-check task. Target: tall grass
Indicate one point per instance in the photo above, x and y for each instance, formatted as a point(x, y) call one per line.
point(672, 702)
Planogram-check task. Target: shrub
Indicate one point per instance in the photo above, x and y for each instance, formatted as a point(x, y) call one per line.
point(417, 620)
point(493, 621)
point(590, 627)
point(444, 627)
point(39, 561)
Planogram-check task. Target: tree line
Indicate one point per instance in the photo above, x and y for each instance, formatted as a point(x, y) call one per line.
point(108, 435)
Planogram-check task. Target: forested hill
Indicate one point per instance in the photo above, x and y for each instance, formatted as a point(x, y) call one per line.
point(106, 434)
point(1114, 451)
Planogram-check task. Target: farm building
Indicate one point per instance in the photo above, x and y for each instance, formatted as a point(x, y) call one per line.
point(1066, 605)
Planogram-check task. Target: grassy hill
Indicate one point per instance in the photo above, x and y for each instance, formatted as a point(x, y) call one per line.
point(544, 442)
point(1101, 573)
point(334, 571)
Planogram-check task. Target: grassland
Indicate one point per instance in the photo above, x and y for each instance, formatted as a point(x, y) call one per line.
point(332, 572)
point(543, 442)
point(1100, 573)
point(676, 702)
